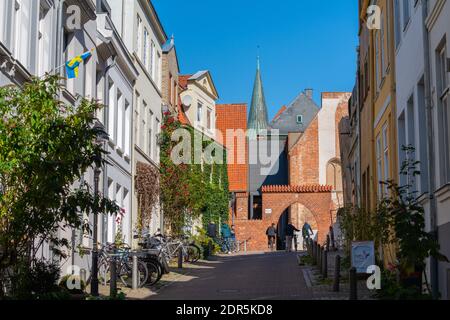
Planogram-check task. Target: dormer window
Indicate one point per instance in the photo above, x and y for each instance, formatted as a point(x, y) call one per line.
point(299, 119)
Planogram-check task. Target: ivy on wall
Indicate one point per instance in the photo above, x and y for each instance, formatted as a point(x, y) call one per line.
point(147, 188)
point(190, 191)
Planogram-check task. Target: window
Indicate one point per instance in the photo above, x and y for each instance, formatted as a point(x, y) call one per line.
point(126, 134)
point(137, 110)
point(139, 37)
point(377, 59)
point(120, 120)
point(444, 112)
point(142, 130)
point(334, 175)
point(158, 70)
point(380, 177)
point(199, 113)
point(152, 60)
point(398, 23)
point(145, 60)
point(111, 110)
point(17, 24)
point(423, 142)
point(442, 69)
point(3, 19)
point(386, 156)
point(299, 119)
point(208, 119)
point(43, 41)
point(383, 60)
point(411, 138)
point(401, 143)
point(406, 13)
point(170, 88)
point(150, 134)
point(158, 132)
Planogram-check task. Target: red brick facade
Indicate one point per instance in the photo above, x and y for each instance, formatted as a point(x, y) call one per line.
point(304, 157)
point(318, 202)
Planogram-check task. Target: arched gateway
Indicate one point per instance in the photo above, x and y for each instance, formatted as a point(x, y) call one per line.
point(276, 200)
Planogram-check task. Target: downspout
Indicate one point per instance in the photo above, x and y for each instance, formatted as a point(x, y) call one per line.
point(431, 157)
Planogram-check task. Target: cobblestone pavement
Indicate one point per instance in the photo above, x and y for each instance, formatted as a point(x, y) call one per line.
point(256, 276)
point(322, 289)
point(253, 276)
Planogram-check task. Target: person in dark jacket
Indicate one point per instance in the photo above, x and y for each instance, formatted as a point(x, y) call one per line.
point(289, 236)
point(271, 233)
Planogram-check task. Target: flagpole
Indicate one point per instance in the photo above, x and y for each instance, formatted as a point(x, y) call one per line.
point(64, 64)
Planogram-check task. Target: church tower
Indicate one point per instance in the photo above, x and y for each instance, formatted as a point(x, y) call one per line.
point(258, 120)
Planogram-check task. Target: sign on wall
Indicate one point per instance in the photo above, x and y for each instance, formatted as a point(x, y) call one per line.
point(268, 211)
point(363, 255)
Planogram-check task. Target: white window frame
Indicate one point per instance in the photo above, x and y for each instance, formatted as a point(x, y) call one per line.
point(386, 167)
point(199, 113)
point(379, 167)
point(139, 37)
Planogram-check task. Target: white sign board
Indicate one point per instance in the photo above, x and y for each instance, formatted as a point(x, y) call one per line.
point(363, 255)
point(268, 211)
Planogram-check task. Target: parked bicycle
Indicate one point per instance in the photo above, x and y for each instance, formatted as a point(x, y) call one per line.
point(122, 257)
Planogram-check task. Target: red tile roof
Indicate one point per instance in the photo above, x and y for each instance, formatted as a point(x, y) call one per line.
point(183, 80)
point(234, 116)
point(313, 188)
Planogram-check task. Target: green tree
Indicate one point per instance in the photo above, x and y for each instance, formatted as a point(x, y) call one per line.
point(46, 147)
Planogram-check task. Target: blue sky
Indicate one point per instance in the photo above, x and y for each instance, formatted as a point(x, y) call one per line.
point(303, 44)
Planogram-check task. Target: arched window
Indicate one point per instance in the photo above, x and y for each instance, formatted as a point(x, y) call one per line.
point(334, 174)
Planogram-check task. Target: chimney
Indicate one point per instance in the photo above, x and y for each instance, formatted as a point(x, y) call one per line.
point(309, 93)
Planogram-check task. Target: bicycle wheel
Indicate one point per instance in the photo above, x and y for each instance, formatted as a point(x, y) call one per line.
point(103, 275)
point(193, 253)
point(126, 274)
point(154, 272)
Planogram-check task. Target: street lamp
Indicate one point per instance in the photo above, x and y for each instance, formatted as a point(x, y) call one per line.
point(102, 136)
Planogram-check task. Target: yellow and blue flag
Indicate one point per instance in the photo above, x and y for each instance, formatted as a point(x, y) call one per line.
point(73, 64)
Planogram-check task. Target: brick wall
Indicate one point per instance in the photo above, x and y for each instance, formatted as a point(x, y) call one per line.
point(304, 157)
point(318, 203)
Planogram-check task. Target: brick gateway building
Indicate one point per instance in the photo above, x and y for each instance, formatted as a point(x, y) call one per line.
point(305, 184)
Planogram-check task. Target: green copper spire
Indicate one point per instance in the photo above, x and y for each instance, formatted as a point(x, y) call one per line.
point(258, 119)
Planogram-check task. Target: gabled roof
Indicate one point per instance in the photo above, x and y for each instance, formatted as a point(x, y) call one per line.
point(169, 46)
point(282, 109)
point(185, 79)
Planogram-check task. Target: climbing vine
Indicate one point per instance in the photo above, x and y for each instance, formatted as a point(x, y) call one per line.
point(147, 188)
point(191, 190)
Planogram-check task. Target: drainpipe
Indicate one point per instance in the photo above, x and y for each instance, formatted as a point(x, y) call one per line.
point(431, 152)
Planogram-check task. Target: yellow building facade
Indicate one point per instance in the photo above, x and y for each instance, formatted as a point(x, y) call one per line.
point(378, 102)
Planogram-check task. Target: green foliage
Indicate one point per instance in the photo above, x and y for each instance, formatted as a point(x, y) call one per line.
point(45, 148)
point(190, 190)
point(202, 239)
point(398, 223)
point(38, 282)
point(391, 289)
point(63, 284)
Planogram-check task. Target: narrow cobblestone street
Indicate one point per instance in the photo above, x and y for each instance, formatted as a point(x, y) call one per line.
point(251, 277)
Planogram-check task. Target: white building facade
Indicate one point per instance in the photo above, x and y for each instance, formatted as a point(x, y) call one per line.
point(423, 117)
point(198, 99)
point(438, 27)
point(142, 33)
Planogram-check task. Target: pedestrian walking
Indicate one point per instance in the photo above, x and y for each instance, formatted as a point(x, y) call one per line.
point(271, 233)
point(226, 235)
point(290, 229)
point(306, 233)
